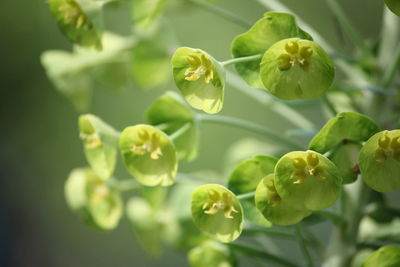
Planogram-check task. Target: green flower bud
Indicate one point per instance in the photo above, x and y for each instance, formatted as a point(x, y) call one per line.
point(346, 126)
point(273, 207)
point(78, 20)
point(217, 212)
point(170, 113)
point(380, 161)
point(346, 160)
point(308, 180)
point(245, 178)
point(273, 27)
point(100, 143)
point(387, 256)
point(93, 199)
point(296, 69)
point(211, 253)
point(394, 6)
point(200, 78)
point(148, 155)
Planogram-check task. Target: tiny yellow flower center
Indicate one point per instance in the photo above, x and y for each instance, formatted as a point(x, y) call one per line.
point(149, 143)
point(200, 65)
point(307, 167)
point(73, 14)
point(219, 201)
point(92, 140)
point(388, 147)
point(295, 53)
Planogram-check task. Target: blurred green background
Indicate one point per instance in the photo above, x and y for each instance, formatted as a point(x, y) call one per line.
point(39, 136)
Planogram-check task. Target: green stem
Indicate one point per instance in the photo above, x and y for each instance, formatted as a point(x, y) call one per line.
point(329, 105)
point(246, 195)
point(123, 185)
point(180, 131)
point(250, 126)
point(220, 12)
point(261, 253)
point(390, 72)
point(344, 21)
point(241, 59)
point(303, 246)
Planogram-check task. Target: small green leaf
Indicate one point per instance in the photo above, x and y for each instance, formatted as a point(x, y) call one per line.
point(79, 20)
point(296, 69)
point(380, 161)
point(348, 126)
point(274, 208)
point(93, 199)
point(148, 155)
point(146, 13)
point(394, 6)
point(217, 212)
point(273, 27)
point(170, 113)
point(246, 176)
point(345, 158)
point(308, 180)
point(387, 256)
point(211, 253)
point(200, 78)
point(100, 143)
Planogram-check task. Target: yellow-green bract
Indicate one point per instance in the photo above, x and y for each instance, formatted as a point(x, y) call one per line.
point(79, 20)
point(171, 113)
point(273, 207)
point(394, 6)
point(296, 69)
point(387, 256)
point(100, 143)
point(380, 161)
point(211, 253)
point(217, 212)
point(273, 27)
point(149, 155)
point(93, 199)
point(346, 126)
point(307, 180)
point(200, 78)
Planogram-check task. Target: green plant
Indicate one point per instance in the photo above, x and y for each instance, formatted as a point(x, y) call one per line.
point(340, 177)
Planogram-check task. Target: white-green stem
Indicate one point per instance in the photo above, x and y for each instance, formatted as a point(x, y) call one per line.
point(241, 59)
point(250, 126)
point(180, 131)
point(246, 195)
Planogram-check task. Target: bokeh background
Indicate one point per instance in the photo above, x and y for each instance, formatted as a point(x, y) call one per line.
point(39, 141)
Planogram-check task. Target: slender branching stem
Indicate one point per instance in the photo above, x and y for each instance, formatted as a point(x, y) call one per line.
point(180, 131)
point(241, 59)
point(303, 246)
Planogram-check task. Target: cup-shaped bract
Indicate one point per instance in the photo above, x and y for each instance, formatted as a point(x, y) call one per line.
point(308, 180)
point(217, 212)
point(90, 196)
point(387, 256)
point(245, 178)
point(171, 113)
point(79, 21)
point(380, 161)
point(275, 209)
point(149, 155)
point(100, 142)
point(295, 68)
point(346, 126)
point(273, 27)
point(211, 253)
point(346, 160)
point(200, 78)
point(394, 6)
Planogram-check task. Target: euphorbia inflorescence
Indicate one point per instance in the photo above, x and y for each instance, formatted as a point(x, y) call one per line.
point(295, 54)
point(388, 147)
point(200, 65)
point(149, 143)
point(219, 201)
point(307, 167)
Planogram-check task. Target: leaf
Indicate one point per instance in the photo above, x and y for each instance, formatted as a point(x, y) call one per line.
point(149, 155)
point(394, 6)
point(348, 126)
point(171, 113)
point(217, 212)
point(200, 78)
point(273, 27)
point(146, 13)
point(345, 158)
point(100, 144)
point(88, 195)
point(385, 256)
